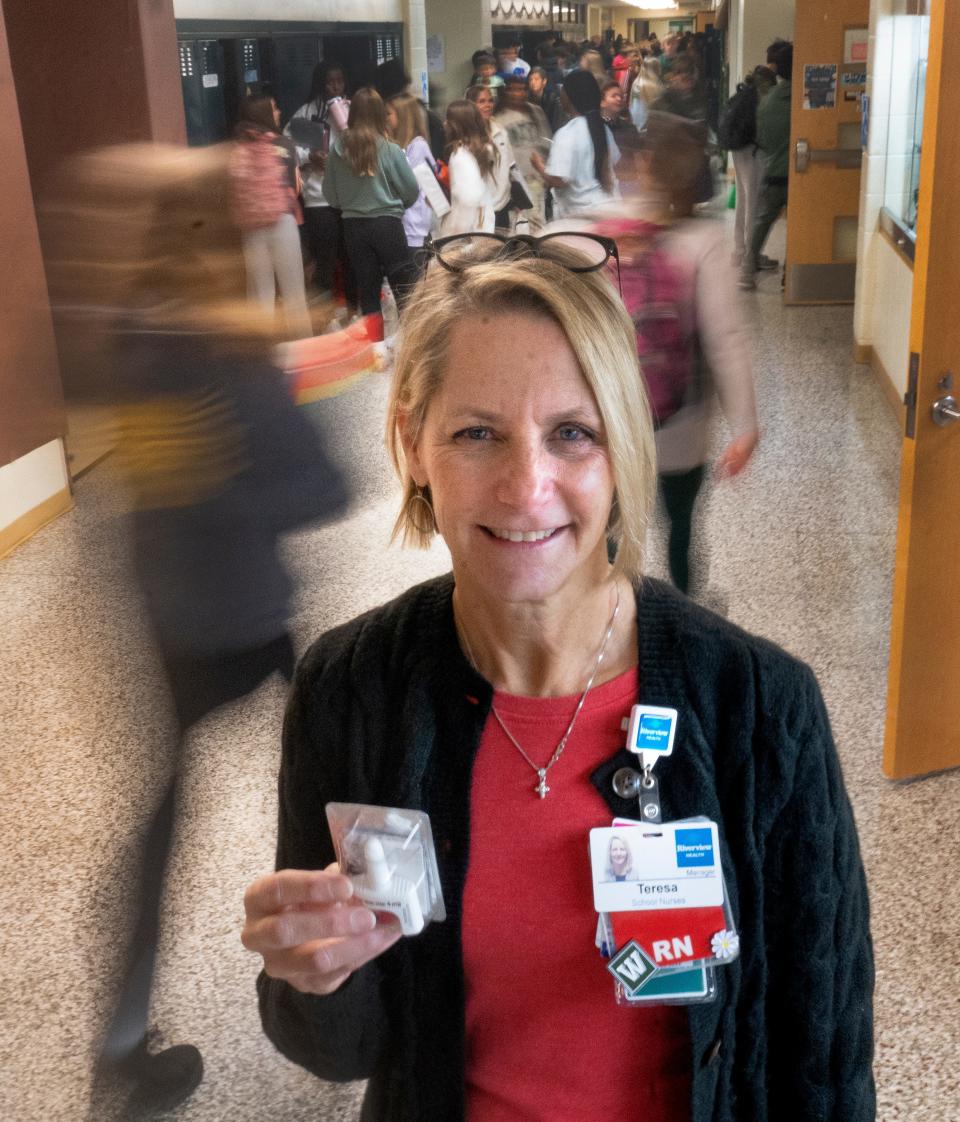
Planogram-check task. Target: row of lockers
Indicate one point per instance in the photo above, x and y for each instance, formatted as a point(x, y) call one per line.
point(216, 73)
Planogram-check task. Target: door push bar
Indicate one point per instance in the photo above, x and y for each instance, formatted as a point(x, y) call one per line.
point(844, 157)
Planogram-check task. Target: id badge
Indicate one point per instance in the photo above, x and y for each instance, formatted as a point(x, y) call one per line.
point(661, 885)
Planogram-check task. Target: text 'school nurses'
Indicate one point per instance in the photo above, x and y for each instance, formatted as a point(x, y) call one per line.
point(671, 901)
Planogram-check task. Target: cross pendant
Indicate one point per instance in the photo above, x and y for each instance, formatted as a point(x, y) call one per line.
point(542, 788)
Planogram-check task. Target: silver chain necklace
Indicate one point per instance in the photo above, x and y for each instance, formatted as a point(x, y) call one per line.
point(541, 788)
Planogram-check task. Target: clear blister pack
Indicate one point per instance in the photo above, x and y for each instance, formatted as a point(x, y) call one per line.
point(389, 855)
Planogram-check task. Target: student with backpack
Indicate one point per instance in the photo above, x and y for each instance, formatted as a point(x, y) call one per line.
point(691, 336)
point(264, 184)
point(773, 140)
point(738, 135)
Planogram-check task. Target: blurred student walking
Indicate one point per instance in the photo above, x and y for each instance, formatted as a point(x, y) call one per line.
point(218, 464)
point(691, 333)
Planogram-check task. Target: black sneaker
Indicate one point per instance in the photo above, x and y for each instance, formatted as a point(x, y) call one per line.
point(153, 1082)
point(765, 262)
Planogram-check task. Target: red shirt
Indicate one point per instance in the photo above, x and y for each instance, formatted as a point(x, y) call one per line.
point(545, 1039)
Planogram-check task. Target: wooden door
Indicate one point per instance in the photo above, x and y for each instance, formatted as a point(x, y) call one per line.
point(923, 703)
point(825, 194)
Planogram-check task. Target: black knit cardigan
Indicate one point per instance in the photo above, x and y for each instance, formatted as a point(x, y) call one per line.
point(386, 710)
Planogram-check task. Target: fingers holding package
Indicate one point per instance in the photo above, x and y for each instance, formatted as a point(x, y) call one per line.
point(310, 929)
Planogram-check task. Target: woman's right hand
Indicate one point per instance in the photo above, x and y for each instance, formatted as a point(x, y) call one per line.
point(318, 159)
point(310, 929)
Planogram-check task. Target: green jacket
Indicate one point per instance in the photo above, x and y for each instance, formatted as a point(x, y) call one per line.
point(773, 129)
point(389, 192)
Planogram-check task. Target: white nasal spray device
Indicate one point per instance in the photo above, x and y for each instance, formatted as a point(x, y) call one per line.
point(382, 891)
point(389, 856)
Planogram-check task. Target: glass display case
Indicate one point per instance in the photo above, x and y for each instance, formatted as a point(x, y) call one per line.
point(908, 40)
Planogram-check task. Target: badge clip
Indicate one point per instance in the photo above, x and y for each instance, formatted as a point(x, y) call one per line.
point(650, 735)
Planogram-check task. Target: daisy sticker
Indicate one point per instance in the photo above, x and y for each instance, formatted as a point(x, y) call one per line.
point(725, 944)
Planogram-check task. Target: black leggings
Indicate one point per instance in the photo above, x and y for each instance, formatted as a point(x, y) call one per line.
point(323, 233)
point(377, 248)
point(679, 490)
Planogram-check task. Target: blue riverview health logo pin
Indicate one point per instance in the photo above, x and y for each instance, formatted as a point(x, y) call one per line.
point(694, 849)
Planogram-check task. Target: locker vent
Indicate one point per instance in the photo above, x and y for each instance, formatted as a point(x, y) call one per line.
point(388, 47)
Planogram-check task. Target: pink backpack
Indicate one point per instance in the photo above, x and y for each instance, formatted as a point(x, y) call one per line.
point(659, 295)
point(259, 189)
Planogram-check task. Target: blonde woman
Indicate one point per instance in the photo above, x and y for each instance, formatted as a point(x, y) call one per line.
point(368, 178)
point(492, 699)
point(645, 90)
point(619, 859)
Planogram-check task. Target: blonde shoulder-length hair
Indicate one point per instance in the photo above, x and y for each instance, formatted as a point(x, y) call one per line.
point(601, 335)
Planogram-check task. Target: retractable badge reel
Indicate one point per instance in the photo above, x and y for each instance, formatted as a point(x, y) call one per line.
point(664, 917)
point(650, 734)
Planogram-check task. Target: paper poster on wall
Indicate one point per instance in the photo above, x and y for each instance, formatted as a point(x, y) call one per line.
point(424, 86)
point(853, 77)
point(820, 85)
point(435, 54)
point(856, 42)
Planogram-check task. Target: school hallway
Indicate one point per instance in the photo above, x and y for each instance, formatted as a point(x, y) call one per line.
point(800, 550)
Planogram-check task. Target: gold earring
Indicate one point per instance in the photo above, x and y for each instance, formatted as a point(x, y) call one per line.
point(420, 496)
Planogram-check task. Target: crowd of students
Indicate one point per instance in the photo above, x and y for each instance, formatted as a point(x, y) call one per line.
point(610, 136)
point(525, 145)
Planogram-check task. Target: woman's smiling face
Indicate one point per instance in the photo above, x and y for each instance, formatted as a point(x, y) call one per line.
point(618, 853)
point(485, 103)
point(514, 452)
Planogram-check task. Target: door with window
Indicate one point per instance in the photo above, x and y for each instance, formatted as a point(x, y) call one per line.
point(829, 71)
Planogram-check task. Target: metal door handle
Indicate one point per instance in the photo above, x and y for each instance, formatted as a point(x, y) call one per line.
point(843, 157)
point(945, 411)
